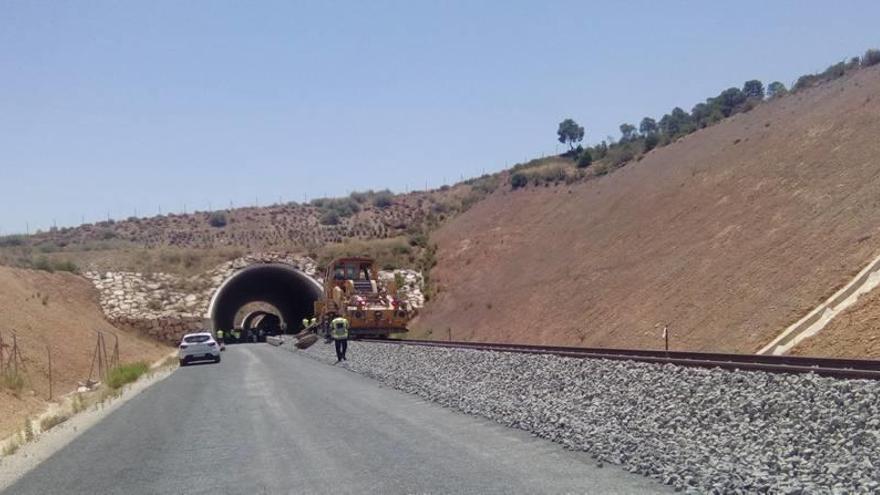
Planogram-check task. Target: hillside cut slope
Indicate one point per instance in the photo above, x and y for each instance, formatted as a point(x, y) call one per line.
point(727, 236)
point(61, 311)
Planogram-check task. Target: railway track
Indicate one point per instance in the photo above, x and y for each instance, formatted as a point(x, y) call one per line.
point(831, 367)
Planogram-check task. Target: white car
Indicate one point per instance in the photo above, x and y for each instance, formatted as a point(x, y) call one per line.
point(198, 347)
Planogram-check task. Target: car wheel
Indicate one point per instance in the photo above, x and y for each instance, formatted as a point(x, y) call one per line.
point(217, 359)
point(183, 362)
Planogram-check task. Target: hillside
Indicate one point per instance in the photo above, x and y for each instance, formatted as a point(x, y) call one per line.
point(377, 223)
point(728, 235)
point(61, 311)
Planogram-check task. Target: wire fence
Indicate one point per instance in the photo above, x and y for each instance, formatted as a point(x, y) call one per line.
point(16, 374)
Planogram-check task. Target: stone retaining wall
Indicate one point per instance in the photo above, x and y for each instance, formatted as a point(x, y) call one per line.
point(166, 306)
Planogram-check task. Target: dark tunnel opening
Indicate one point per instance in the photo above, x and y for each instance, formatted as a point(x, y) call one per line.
point(289, 290)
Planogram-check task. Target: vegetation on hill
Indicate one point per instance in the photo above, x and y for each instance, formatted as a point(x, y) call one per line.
point(634, 141)
point(188, 242)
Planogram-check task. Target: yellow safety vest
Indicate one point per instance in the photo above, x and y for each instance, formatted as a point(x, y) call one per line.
point(314, 321)
point(339, 328)
point(305, 322)
point(219, 334)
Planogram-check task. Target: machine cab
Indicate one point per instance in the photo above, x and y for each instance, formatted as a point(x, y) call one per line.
point(352, 275)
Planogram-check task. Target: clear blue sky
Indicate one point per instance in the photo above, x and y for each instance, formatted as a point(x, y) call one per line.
point(129, 106)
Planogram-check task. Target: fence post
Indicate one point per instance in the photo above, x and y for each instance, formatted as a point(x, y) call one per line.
point(49, 354)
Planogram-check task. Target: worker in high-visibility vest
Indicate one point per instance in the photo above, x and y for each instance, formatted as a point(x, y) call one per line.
point(237, 334)
point(314, 321)
point(220, 336)
point(339, 333)
point(305, 323)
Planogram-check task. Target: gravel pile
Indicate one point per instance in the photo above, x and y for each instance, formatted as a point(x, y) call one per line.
point(703, 431)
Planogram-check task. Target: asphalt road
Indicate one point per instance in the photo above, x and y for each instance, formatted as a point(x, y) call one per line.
point(269, 421)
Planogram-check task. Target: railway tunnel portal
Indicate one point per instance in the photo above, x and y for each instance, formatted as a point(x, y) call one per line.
point(283, 287)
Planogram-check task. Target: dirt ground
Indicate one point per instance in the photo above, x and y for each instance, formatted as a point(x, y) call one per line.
point(854, 333)
point(727, 236)
point(58, 310)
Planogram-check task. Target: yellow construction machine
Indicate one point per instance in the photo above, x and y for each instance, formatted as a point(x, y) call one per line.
point(352, 289)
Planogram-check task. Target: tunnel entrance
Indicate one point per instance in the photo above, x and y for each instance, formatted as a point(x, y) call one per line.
point(283, 287)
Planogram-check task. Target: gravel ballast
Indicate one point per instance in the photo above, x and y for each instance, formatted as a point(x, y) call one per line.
point(700, 430)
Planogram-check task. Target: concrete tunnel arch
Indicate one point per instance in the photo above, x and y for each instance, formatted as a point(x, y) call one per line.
point(249, 319)
point(286, 288)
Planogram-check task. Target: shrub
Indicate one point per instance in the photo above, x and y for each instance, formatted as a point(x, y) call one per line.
point(14, 382)
point(27, 434)
point(550, 175)
point(43, 263)
point(871, 57)
point(485, 184)
point(418, 239)
point(518, 180)
point(330, 217)
point(126, 373)
point(11, 241)
point(383, 199)
point(585, 160)
point(361, 196)
point(50, 422)
point(217, 219)
point(66, 266)
point(620, 155)
point(11, 448)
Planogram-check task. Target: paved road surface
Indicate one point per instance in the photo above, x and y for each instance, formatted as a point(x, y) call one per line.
point(269, 421)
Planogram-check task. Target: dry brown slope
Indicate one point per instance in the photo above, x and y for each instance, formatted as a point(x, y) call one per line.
point(730, 235)
point(853, 333)
point(60, 310)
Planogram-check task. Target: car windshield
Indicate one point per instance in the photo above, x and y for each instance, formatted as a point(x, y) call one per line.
point(196, 339)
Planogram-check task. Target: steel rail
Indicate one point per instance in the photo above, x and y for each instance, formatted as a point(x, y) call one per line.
point(831, 367)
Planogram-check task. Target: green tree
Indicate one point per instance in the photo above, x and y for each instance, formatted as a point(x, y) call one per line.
point(729, 100)
point(518, 180)
point(651, 141)
point(648, 126)
point(676, 123)
point(627, 132)
point(570, 132)
point(753, 89)
point(776, 89)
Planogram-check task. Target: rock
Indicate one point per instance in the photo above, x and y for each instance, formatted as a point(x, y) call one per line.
point(706, 431)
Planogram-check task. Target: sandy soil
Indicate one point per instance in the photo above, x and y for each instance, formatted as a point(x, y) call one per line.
point(729, 235)
point(854, 333)
point(58, 310)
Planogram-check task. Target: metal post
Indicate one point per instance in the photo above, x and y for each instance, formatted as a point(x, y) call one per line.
point(14, 353)
point(49, 354)
point(666, 336)
point(116, 351)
